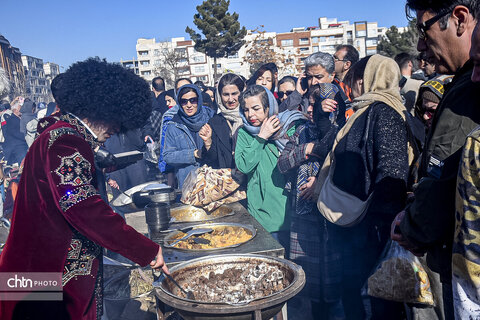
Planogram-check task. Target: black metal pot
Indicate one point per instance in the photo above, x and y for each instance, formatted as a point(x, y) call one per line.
point(157, 216)
point(144, 197)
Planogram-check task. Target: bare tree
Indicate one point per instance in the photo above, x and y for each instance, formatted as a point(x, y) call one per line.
point(170, 62)
point(261, 50)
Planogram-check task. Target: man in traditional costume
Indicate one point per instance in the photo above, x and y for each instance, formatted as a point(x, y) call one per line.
point(60, 223)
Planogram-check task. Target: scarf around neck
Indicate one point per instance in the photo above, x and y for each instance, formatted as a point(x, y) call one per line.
point(286, 119)
point(232, 115)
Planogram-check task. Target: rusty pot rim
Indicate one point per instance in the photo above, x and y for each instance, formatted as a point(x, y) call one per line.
point(291, 290)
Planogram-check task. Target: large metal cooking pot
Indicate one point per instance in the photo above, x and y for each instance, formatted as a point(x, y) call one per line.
point(262, 308)
point(172, 236)
point(143, 194)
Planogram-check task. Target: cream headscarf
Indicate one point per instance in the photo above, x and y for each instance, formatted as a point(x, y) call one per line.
point(232, 115)
point(381, 84)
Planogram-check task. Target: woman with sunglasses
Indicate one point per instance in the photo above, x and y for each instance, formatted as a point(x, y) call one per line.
point(218, 134)
point(182, 140)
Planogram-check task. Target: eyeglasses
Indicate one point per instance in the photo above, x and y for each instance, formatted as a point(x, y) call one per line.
point(425, 25)
point(337, 59)
point(286, 93)
point(184, 102)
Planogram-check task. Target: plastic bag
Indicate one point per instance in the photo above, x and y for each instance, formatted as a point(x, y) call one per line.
point(210, 188)
point(152, 152)
point(400, 276)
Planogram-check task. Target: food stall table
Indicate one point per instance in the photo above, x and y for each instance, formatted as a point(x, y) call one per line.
point(263, 243)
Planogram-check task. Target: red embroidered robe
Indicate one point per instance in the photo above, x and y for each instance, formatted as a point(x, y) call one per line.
point(60, 223)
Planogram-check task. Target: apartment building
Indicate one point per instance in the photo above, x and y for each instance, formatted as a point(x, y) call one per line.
point(301, 42)
point(131, 65)
point(11, 62)
point(293, 46)
point(180, 57)
point(36, 86)
point(51, 70)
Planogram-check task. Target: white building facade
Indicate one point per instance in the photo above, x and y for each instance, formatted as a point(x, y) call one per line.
point(294, 46)
point(37, 87)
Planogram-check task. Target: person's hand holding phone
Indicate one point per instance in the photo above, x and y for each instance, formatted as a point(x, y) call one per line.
point(302, 84)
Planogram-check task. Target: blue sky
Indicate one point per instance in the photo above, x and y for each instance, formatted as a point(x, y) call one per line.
point(65, 31)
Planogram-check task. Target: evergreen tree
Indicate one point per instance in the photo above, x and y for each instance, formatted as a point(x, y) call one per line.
point(395, 42)
point(223, 35)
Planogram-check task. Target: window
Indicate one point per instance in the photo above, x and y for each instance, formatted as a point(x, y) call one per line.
point(304, 49)
point(145, 63)
point(287, 43)
point(198, 59)
point(304, 41)
point(156, 52)
point(184, 70)
point(182, 60)
point(371, 42)
point(181, 51)
point(199, 69)
point(361, 33)
point(157, 63)
point(219, 65)
point(146, 73)
point(323, 39)
point(371, 52)
point(315, 40)
point(315, 49)
point(327, 48)
point(202, 78)
point(143, 53)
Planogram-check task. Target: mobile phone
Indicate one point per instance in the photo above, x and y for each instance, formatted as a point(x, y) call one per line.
point(304, 83)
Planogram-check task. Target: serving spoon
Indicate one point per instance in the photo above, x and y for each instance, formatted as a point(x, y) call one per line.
point(189, 294)
point(190, 233)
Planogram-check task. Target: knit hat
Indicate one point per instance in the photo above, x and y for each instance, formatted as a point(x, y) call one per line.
point(432, 90)
point(429, 95)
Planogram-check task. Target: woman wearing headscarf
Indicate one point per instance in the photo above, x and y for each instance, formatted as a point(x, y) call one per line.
point(170, 98)
point(218, 134)
point(182, 141)
point(371, 157)
point(259, 143)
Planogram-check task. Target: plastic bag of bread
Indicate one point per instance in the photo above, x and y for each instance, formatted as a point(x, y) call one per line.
point(210, 188)
point(400, 276)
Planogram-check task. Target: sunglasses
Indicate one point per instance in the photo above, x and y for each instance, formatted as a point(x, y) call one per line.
point(286, 93)
point(184, 102)
point(424, 26)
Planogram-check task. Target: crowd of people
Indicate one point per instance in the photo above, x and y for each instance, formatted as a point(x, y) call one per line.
point(350, 155)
